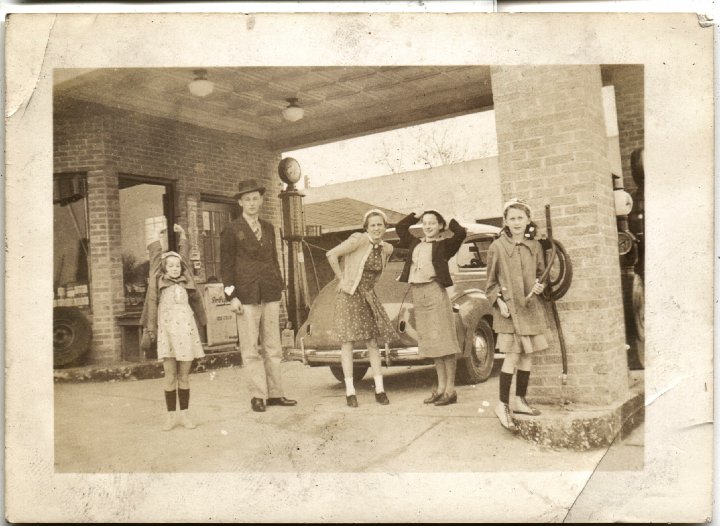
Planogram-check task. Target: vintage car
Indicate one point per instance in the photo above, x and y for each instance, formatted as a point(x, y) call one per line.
point(316, 345)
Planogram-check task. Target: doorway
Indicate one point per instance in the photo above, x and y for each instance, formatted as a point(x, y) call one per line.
point(146, 207)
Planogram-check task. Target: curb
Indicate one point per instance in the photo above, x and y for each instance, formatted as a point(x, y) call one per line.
point(143, 370)
point(581, 430)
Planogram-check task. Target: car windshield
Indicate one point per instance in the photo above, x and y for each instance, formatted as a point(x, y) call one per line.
point(472, 253)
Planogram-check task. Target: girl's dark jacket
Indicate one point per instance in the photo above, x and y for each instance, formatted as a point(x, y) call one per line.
point(157, 282)
point(442, 250)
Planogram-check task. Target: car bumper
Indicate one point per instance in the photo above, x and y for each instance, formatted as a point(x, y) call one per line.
point(316, 357)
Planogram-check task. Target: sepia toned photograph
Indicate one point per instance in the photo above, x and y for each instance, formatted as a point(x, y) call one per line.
point(415, 281)
point(324, 151)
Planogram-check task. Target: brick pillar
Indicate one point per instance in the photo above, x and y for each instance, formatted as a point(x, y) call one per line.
point(553, 150)
point(629, 98)
point(106, 281)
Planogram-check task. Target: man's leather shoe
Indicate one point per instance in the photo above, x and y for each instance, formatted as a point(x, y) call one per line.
point(281, 401)
point(447, 399)
point(258, 405)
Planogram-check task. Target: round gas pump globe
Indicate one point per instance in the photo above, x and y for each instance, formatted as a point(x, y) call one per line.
point(623, 203)
point(289, 171)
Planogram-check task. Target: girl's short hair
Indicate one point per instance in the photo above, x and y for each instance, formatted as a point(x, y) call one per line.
point(440, 218)
point(372, 213)
point(170, 254)
point(518, 204)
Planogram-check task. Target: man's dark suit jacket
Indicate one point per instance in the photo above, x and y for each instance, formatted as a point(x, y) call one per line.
point(249, 265)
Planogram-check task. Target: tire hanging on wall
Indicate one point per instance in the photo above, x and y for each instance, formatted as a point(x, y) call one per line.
point(638, 304)
point(72, 334)
point(561, 274)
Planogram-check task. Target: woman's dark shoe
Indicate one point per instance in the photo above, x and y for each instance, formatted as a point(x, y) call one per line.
point(351, 401)
point(447, 399)
point(381, 398)
point(434, 397)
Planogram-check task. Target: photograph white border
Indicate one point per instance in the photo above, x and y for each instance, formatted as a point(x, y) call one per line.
point(677, 54)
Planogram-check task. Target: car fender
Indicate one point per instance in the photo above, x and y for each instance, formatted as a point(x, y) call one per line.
point(471, 306)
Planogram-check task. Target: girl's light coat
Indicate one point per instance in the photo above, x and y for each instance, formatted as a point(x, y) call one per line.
point(512, 271)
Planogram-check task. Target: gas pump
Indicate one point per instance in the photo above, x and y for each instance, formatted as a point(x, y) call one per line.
point(293, 234)
point(629, 251)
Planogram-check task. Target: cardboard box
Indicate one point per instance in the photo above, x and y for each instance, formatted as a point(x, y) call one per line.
point(222, 326)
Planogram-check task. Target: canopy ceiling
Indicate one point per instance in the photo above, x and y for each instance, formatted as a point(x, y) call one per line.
point(339, 102)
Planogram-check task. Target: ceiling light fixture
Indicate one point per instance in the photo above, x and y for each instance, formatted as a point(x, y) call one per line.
point(201, 86)
point(293, 112)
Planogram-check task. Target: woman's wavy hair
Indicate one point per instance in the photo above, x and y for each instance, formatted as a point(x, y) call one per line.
point(517, 204)
point(440, 218)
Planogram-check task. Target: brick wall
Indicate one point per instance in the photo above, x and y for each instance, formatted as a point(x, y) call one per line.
point(553, 150)
point(106, 142)
point(106, 290)
point(630, 100)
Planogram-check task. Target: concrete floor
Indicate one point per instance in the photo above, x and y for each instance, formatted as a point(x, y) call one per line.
point(115, 427)
point(321, 460)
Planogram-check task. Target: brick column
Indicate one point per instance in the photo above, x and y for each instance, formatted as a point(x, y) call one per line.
point(629, 98)
point(553, 150)
point(106, 280)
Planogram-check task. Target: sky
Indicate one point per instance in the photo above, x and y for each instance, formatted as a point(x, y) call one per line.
point(471, 136)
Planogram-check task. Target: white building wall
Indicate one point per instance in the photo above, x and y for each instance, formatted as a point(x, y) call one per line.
point(468, 190)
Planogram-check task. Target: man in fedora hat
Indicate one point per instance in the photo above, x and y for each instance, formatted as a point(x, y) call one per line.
point(253, 284)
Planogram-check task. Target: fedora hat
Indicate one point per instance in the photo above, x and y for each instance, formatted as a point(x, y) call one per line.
point(249, 185)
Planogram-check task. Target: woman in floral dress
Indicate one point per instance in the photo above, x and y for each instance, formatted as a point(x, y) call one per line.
point(359, 315)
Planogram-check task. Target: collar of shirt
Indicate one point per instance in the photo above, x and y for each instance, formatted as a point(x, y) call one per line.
point(372, 243)
point(254, 222)
point(510, 244)
point(180, 279)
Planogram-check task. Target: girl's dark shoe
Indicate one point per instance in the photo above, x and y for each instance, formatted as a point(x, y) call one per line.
point(434, 397)
point(381, 398)
point(447, 399)
point(351, 401)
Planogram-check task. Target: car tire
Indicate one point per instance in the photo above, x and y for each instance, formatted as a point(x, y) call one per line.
point(72, 335)
point(638, 306)
point(358, 372)
point(560, 279)
point(477, 366)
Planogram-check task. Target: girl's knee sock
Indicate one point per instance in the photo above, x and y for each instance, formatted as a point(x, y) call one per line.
point(521, 382)
point(349, 387)
point(184, 396)
point(170, 400)
point(505, 382)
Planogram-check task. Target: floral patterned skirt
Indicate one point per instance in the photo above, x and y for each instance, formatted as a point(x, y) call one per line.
point(361, 316)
